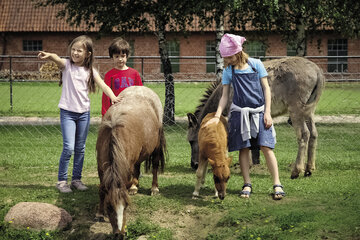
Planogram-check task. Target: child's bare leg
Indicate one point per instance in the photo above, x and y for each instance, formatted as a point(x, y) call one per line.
point(272, 165)
point(244, 160)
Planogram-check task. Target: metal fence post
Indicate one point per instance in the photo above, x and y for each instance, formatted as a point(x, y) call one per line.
point(10, 80)
point(142, 67)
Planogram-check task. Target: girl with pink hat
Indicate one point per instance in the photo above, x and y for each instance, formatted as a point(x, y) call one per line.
point(250, 122)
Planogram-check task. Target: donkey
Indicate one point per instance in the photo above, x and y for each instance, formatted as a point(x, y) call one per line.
point(296, 86)
point(213, 150)
point(131, 132)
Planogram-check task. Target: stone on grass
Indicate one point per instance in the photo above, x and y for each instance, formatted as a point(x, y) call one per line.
point(38, 216)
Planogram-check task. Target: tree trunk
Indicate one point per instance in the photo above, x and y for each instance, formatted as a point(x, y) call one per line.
point(300, 38)
point(169, 108)
point(219, 59)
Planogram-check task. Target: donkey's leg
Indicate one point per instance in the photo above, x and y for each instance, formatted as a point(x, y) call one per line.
point(302, 134)
point(310, 166)
point(255, 156)
point(200, 174)
point(135, 180)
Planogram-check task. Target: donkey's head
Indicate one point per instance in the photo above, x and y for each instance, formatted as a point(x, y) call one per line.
point(193, 131)
point(221, 172)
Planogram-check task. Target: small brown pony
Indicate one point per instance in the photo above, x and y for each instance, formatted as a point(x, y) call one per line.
point(213, 149)
point(131, 132)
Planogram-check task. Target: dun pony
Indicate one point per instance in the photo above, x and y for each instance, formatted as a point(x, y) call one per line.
point(131, 132)
point(213, 150)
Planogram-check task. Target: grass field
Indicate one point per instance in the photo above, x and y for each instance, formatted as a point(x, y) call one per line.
point(324, 206)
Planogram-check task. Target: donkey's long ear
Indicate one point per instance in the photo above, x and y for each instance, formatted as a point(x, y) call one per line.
point(192, 120)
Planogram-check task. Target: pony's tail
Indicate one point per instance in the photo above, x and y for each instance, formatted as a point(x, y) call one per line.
point(159, 156)
point(116, 169)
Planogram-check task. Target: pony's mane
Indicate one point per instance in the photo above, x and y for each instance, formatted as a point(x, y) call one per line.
point(115, 165)
point(208, 92)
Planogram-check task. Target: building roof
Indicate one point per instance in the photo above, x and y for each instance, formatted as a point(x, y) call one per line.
point(23, 16)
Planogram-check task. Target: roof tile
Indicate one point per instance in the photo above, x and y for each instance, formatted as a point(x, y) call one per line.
point(22, 16)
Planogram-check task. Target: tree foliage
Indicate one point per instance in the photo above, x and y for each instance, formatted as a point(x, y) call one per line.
point(297, 20)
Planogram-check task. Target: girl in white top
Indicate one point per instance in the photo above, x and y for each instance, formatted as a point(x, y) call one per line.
point(77, 80)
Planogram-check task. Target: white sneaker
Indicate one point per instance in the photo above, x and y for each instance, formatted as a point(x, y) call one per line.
point(63, 187)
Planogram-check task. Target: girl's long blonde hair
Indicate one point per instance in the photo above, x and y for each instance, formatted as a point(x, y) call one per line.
point(241, 59)
point(88, 61)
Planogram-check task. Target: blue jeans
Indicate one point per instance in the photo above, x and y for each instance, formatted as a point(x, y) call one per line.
point(74, 129)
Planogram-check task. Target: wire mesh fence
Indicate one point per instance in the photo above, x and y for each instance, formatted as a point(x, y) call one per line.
point(29, 95)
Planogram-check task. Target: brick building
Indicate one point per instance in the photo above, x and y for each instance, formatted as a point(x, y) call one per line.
point(25, 29)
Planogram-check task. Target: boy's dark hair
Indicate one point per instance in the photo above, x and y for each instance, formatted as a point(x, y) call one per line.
point(118, 46)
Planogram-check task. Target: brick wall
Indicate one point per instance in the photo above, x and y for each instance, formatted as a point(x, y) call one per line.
point(147, 45)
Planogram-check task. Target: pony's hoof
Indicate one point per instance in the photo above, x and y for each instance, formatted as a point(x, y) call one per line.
point(307, 174)
point(155, 192)
point(119, 236)
point(99, 219)
point(133, 190)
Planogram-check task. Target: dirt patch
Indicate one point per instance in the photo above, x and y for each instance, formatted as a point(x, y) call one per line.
point(188, 224)
point(326, 119)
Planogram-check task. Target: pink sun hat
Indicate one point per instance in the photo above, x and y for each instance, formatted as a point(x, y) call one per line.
point(231, 44)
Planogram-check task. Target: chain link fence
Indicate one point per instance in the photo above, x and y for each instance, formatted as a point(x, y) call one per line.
point(29, 95)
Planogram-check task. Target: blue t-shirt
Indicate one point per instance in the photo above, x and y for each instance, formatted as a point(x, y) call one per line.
point(256, 63)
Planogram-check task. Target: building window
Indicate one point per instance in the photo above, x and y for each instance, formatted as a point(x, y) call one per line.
point(32, 45)
point(255, 49)
point(210, 52)
point(130, 61)
point(290, 49)
point(337, 47)
point(173, 48)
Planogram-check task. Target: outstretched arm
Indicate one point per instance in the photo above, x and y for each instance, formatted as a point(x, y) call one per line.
point(60, 62)
point(105, 88)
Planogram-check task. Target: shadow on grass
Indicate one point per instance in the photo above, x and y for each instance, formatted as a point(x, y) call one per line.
point(179, 169)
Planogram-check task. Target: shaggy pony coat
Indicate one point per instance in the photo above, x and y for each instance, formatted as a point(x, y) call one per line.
point(131, 132)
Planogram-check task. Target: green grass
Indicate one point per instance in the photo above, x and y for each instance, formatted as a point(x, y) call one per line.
point(41, 98)
point(324, 206)
point(340, 98)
